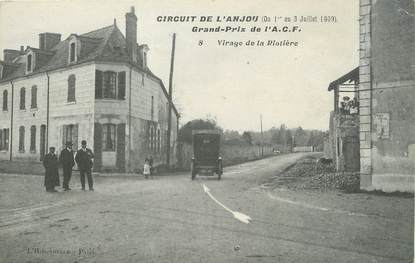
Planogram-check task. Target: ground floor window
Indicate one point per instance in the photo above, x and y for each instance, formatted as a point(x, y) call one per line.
point(21, 138)
point(4, 140)
point(108, 137)
point(33, 138)
point(70, 134)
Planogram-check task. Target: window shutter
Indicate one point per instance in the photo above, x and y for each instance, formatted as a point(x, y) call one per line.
point(120, 161)
point(1, 140)
point(33, 138)
point(7, 139)
point(5, 106)
point(64, 132)
point(121, 85)
point(22, 98)
point(75, 137)
point(98, 84)
point(97, 146)
point(71, 88)
point(34, 97)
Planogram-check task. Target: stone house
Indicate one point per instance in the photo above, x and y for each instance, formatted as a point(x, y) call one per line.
point(387, 95)
point(95, 87)
point(342, 144)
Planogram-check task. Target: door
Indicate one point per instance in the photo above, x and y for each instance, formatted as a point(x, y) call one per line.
point(351, 152)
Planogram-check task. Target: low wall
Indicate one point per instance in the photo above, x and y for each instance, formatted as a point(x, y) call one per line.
point(231, 154)
point(389, 183)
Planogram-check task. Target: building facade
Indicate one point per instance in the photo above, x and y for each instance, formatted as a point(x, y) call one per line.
point(95, 87)
point(387, 95)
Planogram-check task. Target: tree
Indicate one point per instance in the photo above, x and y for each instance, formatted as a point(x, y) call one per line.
point(247, 137)
point(276, 138)
point(300, 137)
point(185, 132)
point(288, 139)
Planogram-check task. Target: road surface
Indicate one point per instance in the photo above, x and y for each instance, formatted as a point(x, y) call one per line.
point(173, 219)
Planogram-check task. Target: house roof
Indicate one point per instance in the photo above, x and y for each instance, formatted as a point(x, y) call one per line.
point(348, 77)
point(106, 44)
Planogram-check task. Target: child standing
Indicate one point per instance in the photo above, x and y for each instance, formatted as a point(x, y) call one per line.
point(146, 170)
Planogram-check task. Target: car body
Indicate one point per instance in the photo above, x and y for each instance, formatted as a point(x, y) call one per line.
point(206, 158)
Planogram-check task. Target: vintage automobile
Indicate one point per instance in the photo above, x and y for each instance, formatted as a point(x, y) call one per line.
point(206, 159)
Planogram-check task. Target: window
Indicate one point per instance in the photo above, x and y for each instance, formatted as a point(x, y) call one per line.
point(144, 59)
point(4, 140)
point(34, 98)
point(70, 134)
point(98, 84)
point(108, 137)
point(5, 100)
point(33, 138)
point(121, 85)
point(72, 54)
point(109, 84)
point(158, 140)
point(29, 63)
point(151, 137)
point(152, 107)
point(71, 88)
point(22, 98)
point(107, 87)
point(21, 139)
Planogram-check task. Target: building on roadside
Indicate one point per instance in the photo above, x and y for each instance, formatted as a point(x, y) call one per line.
point(95, 87)
point(387, 95)
point(342, 144)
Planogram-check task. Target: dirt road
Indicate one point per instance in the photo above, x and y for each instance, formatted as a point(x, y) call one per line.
point(171, 219)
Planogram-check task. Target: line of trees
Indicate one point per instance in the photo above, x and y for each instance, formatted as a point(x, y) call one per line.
point(282, 138)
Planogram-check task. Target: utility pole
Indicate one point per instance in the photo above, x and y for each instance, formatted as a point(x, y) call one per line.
point(170, 101)
point(262, 137)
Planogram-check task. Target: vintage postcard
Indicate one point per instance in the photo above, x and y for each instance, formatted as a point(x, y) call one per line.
point(207, 131)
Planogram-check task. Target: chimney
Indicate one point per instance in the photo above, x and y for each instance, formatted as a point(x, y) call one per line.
point(131, 34)
point(48, 40)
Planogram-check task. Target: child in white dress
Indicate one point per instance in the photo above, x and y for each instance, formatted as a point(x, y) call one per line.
point(146, 170)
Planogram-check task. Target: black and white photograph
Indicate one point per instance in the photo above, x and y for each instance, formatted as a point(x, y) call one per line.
point(207, 131)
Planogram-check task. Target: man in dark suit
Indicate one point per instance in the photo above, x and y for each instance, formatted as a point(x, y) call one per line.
point(67, 161)
point(50, 162)
point(84, 160)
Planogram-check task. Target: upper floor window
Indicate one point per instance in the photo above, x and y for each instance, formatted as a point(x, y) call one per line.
point(144, 59)
point(110, 79)
point(22, 98)
point(5, 100)
point(71, 88)
point(29, 63)
point(21, 139)
point(33, 104)
point(72, 52)
point(109, 85)
point(152, 107)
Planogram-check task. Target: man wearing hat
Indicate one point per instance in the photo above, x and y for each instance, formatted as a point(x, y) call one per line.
point(84, 160)
point(50, 162)
point(67, 161)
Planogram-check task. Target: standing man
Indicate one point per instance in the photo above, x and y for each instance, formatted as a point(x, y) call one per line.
point(50, 162)
point(84, 160)
point(67, 161)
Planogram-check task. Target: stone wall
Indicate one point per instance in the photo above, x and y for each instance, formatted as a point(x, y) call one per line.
point(387, 94)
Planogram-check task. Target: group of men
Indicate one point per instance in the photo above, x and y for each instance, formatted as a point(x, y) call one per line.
point(83, 159)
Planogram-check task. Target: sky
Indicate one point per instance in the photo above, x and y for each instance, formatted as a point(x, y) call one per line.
point(232, 85)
